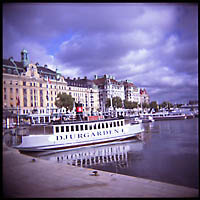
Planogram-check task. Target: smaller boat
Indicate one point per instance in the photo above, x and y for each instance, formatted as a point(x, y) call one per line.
point(145, 118)
point(135, 120)
point(168, 116)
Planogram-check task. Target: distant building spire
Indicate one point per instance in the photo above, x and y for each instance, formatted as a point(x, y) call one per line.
point(24, 57)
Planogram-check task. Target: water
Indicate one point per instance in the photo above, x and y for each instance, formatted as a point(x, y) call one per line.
point(168, 153)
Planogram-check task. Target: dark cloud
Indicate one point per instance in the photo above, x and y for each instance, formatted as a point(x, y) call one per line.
point(152, 45)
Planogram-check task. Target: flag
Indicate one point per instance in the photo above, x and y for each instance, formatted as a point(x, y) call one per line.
point(18, 101)
point(49, 80)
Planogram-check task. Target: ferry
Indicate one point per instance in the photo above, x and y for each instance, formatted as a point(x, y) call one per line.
point(79, 133)
point(168, 116)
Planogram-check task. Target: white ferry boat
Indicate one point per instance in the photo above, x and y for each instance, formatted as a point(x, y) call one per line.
point(78, 133)
point(168, 116)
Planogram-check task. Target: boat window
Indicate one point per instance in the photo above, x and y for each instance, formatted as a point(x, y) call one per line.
point(110, 124)
point(106, 125)
point(102, 125)
point(118, 123)
point(62, 128)
point(114, 124)
point(122, 123)
point(95, 126)
point(90, 127)
point(99, 126)
point(72, 128)
point(86, 127)
point(77, 128)
point(66, 136)
point(57, 129)
point(81, 127)
point(67, 128)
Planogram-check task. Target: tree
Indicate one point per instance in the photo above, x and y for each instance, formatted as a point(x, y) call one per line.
point(145, 105)
point(64, 100)
point(154, 105)
point(108, 104)
point(166, 104)
point(127, 104)
point(117, 102)
point(130, 104)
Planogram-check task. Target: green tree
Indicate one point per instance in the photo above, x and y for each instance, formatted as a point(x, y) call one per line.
point(134, 104)
point(130, 104)
point(108, 104)
point(145, 105)
point(64, 100)
point(127, 104)
point(117, 102)
point(154, 105)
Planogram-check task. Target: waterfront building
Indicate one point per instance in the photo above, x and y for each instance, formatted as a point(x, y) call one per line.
point(108, 88)
point(126, 90)
point(30, 90)
point(132, 93)
point(144, 97)
point(86, 92)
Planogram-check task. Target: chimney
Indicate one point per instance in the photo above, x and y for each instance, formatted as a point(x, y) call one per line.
point(45, 65)
point(85, 77)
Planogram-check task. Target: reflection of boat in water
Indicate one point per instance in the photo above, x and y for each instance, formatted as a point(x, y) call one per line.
point(87, 156)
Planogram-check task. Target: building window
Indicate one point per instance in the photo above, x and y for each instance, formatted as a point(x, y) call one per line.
point(24, 83)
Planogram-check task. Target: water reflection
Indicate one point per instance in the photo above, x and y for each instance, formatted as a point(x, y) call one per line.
point(115, 153)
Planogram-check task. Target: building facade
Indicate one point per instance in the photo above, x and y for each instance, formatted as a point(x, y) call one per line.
point(108, 88)
point(132, 93)
point(31, 90)
point(126, 90)
point(85, 92)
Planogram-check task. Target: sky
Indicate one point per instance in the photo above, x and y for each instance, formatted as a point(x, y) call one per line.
point(153, 45)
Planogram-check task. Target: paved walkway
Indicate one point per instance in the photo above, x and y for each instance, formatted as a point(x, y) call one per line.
point(24, 177)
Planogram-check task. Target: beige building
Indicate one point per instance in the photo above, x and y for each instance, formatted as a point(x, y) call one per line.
point(31, 90)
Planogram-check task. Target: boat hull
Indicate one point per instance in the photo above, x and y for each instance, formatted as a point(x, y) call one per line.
point(76, 139)
point(168, 118)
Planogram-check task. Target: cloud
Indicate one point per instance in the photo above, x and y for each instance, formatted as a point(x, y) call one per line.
point(153, 45)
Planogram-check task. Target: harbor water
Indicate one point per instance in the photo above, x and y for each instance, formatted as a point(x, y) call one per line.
point(168, 153)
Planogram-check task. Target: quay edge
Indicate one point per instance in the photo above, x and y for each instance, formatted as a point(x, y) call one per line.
point(24, 176)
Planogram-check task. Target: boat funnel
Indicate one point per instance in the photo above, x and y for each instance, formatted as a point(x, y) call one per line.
point(79, 111)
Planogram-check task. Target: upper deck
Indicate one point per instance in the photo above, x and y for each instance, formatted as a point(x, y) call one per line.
point(78, 126)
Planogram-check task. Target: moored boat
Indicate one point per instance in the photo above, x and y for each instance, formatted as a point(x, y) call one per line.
point(168, 116)
point(79, 133)
point(145, 118)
